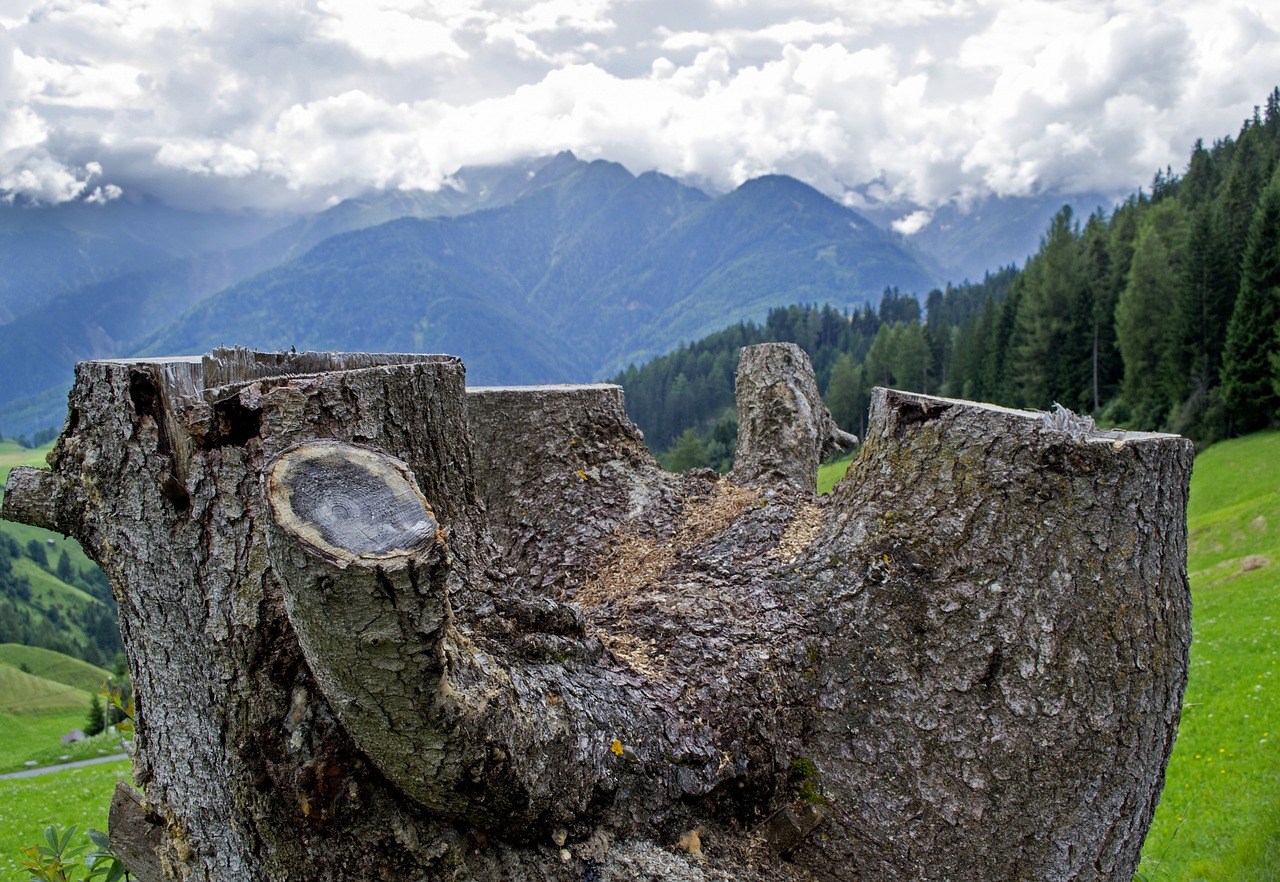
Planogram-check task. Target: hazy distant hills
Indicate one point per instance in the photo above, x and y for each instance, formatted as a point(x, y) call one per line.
point(590, 270)
point(48, 251)
point(89, 281)
point(991, 233)
point(553, 269)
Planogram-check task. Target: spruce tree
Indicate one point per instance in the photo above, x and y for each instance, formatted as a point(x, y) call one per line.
point(1105, 367)
point(1202, 309)
point(1144, 320)
point(844, 394)
point(687, 453)
point(65, 571)
point(1249, 391)
point(96, 721)
point(1052, 349)
point(1250, 168)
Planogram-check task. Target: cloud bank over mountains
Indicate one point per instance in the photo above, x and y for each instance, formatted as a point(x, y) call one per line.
point(294, 104)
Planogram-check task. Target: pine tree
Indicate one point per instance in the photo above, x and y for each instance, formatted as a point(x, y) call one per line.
point(687, 453)
point(844, 392)
point(1143, 315)
point(880, 358)
point(968, 379)
point(912, 358)
point(1250, 168)
point(36, 551)
point(96, 722)
point(65, 572)
point(1197, 185)
point(1105, 367)
point(1249, 393)
point(1202, 309)
point(996, 363)
point(1051, 353)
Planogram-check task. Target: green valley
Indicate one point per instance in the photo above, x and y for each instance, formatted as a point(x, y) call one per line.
point(51, 594)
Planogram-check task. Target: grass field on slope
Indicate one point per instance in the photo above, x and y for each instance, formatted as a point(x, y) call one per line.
point(23, 693)
point(54, 666)
point(13, 454)
point(830, 472)
point(27, 736)
point(1219, 817)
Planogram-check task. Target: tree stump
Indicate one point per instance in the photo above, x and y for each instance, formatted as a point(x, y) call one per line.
point(381, 629)
point(784, 429)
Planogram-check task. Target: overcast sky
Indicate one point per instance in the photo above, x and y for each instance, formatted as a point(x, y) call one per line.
point(269, 104)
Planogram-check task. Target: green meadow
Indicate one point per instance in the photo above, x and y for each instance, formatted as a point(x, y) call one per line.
point(14, 454)
point(1219, 816)
point(75, 796)
point(53, 666)
point(830, 472)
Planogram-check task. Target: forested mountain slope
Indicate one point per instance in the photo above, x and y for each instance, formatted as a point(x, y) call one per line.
point(593, 270)
point(88, 281)
point(1163, 315)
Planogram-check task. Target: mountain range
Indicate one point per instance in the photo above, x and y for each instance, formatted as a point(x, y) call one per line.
point(551, 270)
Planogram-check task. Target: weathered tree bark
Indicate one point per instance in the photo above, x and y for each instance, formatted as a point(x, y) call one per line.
point(383, 629)
point(784, 429)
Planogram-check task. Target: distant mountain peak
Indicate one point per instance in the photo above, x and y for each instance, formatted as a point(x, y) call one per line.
point(562, 164)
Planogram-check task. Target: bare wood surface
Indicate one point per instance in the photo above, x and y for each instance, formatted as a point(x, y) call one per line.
point(137, 835)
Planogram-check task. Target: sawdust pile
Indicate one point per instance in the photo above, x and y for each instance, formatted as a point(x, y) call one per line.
point(800, 533)
point(635, 562)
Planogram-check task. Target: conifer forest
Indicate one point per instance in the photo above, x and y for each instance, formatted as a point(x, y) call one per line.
point(1162, 313)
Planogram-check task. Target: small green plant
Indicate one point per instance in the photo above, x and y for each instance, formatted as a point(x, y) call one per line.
point(122, 703)
point(57, 860)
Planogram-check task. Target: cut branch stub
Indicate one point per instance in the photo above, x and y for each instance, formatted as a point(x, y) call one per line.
point(367, 598)
point(346, 502)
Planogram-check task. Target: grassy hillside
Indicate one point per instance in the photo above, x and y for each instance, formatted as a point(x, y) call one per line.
point(13, 454)
point(26, 736)
point(23, 693)
point(60, 543)
point(1219, 817)
point(53, 666)
point(831, 472)
point(43, 703)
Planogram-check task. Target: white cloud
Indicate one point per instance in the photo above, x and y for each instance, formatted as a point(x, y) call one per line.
point(109, 86)
point(274, 102)
point(387, 31)
point(34, 176)
point(909, 225)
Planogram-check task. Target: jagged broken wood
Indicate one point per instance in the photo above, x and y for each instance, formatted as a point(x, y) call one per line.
point(383, 628)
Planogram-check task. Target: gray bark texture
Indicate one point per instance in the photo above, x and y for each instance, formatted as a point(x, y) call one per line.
point(784, 429)
point(383, 628)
